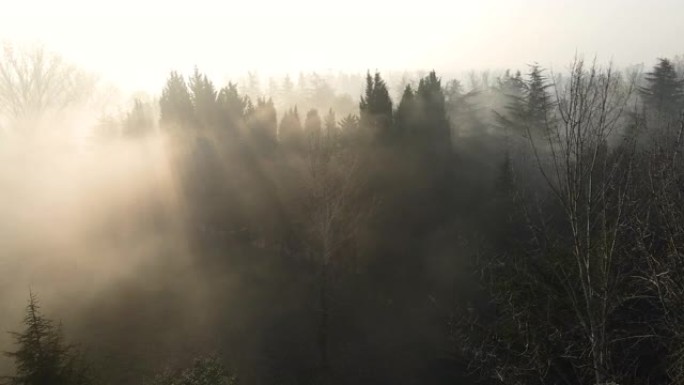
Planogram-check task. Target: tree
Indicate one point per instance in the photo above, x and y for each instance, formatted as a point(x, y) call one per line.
point(34, 81)
point(290, 132)
point(558, 304)
point(262, 123)
point(665, 90)
point(349, 124)
point(176, 104)
point(138, 121)
point(204, 103)
point(203, 371)
point(537, 97)
point(42, 357)
point(407, 112)
point(232, 108)
point(313, 128)
point(529, 105)
point(376, 108)
point(434, 120)
point(333, 182)
point(330, 123)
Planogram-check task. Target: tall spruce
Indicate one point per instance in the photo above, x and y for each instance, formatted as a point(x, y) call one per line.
point(376, 107)
point(175, 103)
point(664, 91)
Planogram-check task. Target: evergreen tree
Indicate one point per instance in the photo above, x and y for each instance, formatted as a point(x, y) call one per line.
point(537, 98)
point(203, 371)
point(138, 121)
point(528, 103)
point(287, 89)
point(175, 103)
point(376, 107)
point(262, 122)
point(349, 124)
point(232, 108)
point(313, 128)
point(331, 128)
point(433, 107)
point(665, 90)
point(42, 357)
point(407, 112)
point(290, 132)
point(203, 96)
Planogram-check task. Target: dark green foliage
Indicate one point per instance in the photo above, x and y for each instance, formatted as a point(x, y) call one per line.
point(664, 91)
point(203, 371)
point(379, 249)
point(407, 114)
point(528, 104)
point(537, 97)
point(42, 356)
point(376, 108)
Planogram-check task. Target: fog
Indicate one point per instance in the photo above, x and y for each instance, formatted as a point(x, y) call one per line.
point(129, 43)
point(326, 193)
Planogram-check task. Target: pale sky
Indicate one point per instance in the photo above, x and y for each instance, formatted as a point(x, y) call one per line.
point(135, 43)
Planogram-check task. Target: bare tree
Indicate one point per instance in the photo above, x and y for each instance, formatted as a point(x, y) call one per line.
point(555, 302)
point(34, 81)
point(333, 179)
point(659, 234)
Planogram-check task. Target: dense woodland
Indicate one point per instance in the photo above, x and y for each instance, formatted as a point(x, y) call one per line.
point(526, 229)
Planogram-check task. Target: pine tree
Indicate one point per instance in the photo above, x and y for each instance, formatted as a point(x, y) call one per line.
point(537, 98)
point(175, 103)
point(42, 357)
point(290, 132)
point(203, 96)
point(349, 124)
point(432, 129)
point(232, 108)
point(313, 128)
point(407, 112)
point(204, 371)
point(665, 90)
point(376, 107)
point(262, 122)
point(330, 123)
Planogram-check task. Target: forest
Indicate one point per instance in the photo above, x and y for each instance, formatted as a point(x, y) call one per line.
point(516, 227)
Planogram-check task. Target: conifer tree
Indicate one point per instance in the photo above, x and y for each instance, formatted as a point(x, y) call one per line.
point(665, 90)
point(175, 103)
point(203, 96)
point(42, 357)
point(376, 107)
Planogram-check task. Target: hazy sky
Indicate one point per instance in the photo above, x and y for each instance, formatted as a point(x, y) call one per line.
point(136, 42)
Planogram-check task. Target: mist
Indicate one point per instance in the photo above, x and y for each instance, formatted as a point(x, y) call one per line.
point(372, 193)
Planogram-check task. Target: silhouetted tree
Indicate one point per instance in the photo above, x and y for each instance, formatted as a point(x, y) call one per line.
point(34, 81)
point(376, 108)
point(262, 123)
point(232, 108)
point(42, 357)
point(176, 104)
point(203, 96)
point(203, 371)
point(138, 121)
point(664, 91)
